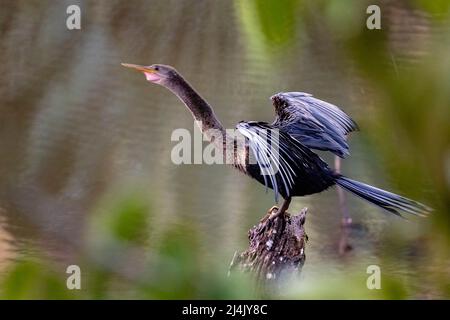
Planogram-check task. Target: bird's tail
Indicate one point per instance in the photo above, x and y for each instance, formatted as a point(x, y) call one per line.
point(384, 199)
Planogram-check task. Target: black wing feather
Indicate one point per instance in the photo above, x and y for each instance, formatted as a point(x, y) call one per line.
point(315, 123)
point(283, 163)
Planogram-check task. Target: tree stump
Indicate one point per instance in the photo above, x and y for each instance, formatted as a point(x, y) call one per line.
point(276, 250)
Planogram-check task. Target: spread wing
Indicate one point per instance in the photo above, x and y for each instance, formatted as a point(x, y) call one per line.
point(282, 161)
point(315, 123)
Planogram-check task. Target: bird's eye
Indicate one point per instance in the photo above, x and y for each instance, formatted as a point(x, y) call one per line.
point(156, 68)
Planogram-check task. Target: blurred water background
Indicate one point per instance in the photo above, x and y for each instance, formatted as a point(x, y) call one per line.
point(85, 171)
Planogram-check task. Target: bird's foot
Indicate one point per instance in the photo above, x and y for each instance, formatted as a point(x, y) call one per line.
point(276, 212)
point(273, 210)
point(280, 211)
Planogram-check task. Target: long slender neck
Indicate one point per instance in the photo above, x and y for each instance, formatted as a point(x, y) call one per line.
point(206, 120)
point(200, 109)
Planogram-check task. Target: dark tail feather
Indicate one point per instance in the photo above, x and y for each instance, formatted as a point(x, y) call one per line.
point(384, 199)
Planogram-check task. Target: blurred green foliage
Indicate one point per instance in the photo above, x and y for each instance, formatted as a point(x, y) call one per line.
point(269, 23)
point(126, 221)
point(441, 8)
point(32, 280)
point(410, 106)
point(172, 269)
point(408, 127)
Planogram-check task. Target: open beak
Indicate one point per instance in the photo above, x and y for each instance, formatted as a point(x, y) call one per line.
point(150, 73)
point(139, 68)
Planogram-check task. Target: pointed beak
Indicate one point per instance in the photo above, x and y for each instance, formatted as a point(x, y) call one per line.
point(139, 68)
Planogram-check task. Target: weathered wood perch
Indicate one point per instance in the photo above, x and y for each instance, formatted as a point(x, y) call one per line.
point(276, 250)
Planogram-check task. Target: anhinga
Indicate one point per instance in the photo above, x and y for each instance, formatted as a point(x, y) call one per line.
point(302, 123)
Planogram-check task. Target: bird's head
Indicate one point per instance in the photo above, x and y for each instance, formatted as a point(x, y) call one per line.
point(156, 73)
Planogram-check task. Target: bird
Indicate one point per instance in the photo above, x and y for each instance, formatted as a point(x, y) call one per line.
point(284, 150)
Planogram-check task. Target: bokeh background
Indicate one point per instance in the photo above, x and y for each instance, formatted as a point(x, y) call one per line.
point(85, 170)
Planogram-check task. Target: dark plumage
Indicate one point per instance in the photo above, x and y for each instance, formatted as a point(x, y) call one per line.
point(293, 177)
point(315, 123)
point(282, 151)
